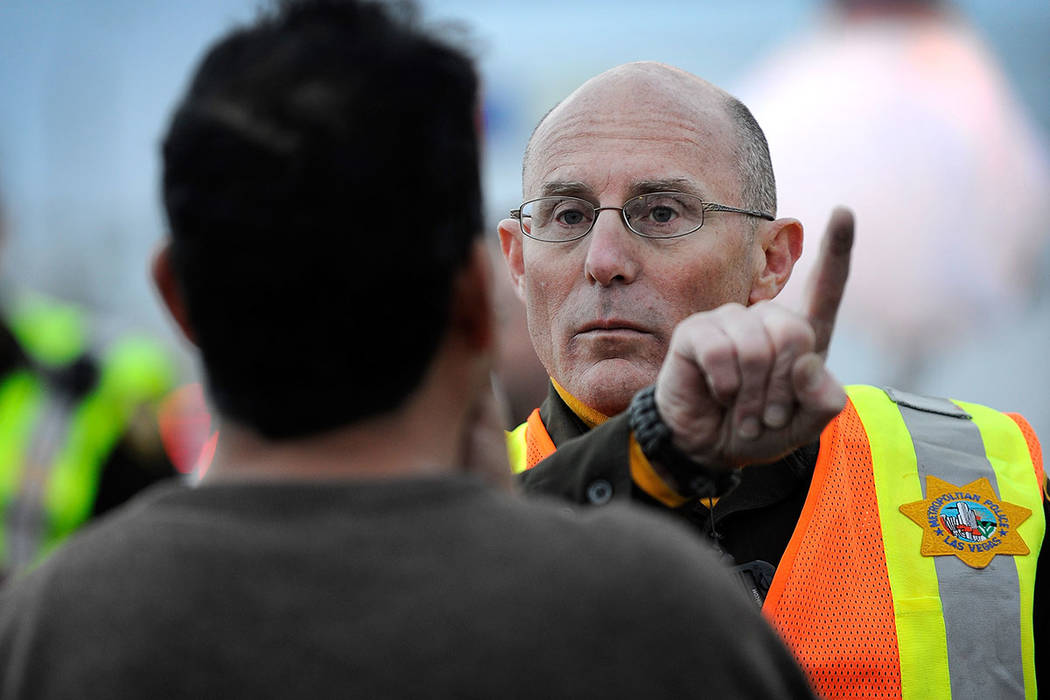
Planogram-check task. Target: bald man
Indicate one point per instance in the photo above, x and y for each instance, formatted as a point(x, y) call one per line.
point(874, 526)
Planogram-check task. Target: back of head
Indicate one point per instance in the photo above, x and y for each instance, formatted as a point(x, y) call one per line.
point(321, 183)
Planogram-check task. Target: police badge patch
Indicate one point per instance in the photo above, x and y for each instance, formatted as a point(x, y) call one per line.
point(967, 521)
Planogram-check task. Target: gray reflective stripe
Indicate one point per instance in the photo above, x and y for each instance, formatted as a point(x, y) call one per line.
point(926, 403)
point(982, 610)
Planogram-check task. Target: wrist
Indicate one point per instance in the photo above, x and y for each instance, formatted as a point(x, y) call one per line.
point(655, 438)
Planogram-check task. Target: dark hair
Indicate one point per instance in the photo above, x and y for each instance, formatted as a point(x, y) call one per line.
point(321, 181)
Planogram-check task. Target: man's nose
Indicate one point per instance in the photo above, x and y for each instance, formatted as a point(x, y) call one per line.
point(612, 252)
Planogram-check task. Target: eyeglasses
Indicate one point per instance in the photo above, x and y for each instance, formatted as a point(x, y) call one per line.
point(656, 215)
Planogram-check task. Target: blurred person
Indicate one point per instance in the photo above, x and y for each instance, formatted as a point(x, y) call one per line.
point(946, 165)
point(78, 432)
point(892, 539)
point(521, 381)
point(352, 536)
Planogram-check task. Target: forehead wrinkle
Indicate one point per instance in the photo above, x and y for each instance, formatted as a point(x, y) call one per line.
point(548, 161)
point(662, 125)
point(548, 151)
point(560, 135)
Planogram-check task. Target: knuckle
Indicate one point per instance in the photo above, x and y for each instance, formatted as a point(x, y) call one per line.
point(724, 385)
point(790, 333)
point(755, 359)
point(695, 329)
point(715, 351)
point(781, 392)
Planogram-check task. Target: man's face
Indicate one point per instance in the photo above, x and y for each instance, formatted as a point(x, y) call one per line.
point(601, 309)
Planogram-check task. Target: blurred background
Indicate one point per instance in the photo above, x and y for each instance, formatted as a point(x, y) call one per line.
point(930, 121)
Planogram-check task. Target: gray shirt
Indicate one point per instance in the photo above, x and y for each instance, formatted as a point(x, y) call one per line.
point(435, 587)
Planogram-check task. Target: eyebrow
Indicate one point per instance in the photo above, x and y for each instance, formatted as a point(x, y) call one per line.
point(569, 188)
point(575, 188)
point(675, 184)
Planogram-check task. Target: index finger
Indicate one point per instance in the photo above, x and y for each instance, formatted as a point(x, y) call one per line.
point(827, 282)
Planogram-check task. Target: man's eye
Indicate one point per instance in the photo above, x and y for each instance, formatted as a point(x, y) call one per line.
point(571, 217)
point(662, 214)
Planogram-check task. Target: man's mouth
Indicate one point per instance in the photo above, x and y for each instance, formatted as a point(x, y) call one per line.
point(611, 325)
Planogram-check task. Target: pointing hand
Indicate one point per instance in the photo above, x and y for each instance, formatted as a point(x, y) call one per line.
point(743, 385)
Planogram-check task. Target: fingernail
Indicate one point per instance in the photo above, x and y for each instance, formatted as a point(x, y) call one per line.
point(775, 416)
point(749, 428)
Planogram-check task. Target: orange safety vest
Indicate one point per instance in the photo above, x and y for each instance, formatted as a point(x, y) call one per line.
point(911, 571)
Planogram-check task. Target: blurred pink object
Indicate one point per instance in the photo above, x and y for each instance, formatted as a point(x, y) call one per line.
point(185, 429)
point(905, 117)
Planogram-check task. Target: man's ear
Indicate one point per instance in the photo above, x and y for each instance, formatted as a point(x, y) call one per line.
point(510, 242)
point(168, 287)
point(472, 313)
point(780, 245)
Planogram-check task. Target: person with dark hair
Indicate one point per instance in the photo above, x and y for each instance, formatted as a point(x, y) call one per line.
point(353, 536)
point(892, 539)
point(78, 421)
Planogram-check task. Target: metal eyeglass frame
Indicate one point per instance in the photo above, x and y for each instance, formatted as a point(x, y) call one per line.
point(704, 207)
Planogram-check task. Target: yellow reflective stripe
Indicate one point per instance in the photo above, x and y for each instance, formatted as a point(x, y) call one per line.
point(136, 372)
point(51, 332)
point(918, 615)
point(96, 425)
point(1007, 451)
point(516, 448)
point(21, 397)
point(135, 369)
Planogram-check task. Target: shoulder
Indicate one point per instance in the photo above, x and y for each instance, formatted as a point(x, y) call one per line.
point(890, 415)
point(98, 550)
point(668, 614)
point(598, 457)
point(621, 545)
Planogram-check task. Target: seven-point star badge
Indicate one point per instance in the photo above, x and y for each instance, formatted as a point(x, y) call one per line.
point(967, 521)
